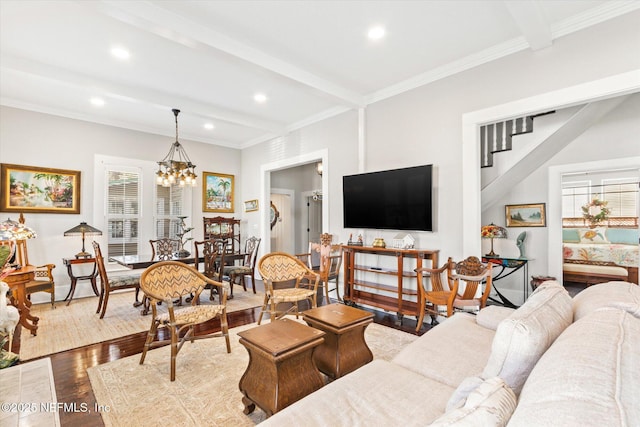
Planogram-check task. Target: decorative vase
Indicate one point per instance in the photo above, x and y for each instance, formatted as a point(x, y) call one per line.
point(378, 242)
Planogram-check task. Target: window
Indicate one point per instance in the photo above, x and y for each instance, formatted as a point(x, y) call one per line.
point(123, 210)
point(169, 207)
point(575, 194)
point(622, 197)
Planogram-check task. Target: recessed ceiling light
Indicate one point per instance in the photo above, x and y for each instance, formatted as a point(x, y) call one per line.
point(120, 52)
point(209, 126)
point(97, 102)
point(376, 33)
point(260, 97)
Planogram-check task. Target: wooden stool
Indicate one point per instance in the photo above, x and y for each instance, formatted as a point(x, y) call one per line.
point(281, 369)
point(344, 349)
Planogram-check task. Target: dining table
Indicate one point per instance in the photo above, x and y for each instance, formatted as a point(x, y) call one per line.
point(135, 262)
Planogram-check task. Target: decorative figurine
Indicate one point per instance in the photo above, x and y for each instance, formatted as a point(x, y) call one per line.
point(520, 243)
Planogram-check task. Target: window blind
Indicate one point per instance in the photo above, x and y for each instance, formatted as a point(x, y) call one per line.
point(123, 211)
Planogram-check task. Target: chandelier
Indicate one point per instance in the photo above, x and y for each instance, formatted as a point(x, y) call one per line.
point(176, 168)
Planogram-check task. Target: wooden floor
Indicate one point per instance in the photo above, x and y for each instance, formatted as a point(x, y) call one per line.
point(70, 367)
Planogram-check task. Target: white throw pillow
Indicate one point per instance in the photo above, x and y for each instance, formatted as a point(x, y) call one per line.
point(524, 336)
point(463, 391)
point(490, 404)
point(602, 295)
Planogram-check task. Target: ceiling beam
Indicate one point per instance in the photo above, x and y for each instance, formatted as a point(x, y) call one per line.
point(529, 18)
point(160, 21)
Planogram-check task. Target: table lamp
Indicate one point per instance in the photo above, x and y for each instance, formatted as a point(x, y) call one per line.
point(83, 229)
point(493, 231)
point(12, 231)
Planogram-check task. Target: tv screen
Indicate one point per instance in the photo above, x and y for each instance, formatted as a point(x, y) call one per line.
point(398, 199)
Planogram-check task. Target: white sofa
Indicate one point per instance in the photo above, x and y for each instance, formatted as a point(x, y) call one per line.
point(555, 361)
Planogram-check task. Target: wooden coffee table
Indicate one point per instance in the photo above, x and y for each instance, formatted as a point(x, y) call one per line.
point(344, 349)
point(281, 369)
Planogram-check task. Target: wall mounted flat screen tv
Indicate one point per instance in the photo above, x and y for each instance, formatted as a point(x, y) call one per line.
point(398, 199)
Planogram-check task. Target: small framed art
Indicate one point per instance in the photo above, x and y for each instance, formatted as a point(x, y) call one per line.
point(530, 215)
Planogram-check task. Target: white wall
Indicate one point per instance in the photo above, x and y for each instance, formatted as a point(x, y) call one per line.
point(34, 139)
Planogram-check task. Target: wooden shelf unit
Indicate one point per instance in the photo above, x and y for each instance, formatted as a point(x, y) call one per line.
point(392, 298)
point(223, 228)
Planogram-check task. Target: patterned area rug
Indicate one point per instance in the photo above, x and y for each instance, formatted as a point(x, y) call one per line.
point(77, 324)
point(205, 391)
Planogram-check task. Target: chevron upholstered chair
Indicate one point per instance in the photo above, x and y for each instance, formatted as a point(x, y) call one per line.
point(279, 268)
point(167, 281)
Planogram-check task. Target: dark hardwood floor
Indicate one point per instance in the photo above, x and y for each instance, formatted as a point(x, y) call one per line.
point(70, 367)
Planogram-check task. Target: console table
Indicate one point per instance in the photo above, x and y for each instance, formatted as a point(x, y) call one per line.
point(508, 267)
point(399, 297)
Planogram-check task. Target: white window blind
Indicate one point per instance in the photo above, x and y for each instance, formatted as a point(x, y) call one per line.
point(123, 211)
point(169, 206)
point(622, 197)
point(575, 195)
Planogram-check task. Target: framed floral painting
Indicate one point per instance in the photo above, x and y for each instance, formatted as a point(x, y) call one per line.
point(32, 189)
point(217, 192)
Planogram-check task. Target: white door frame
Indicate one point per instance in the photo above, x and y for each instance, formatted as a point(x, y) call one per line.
point(265, 174)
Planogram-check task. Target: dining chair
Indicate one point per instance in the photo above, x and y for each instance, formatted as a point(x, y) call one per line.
point(239, 272)
point(330, 263)
point(471, 274)
point(163, 282)
point(281, 269)
point(441, 292)
point(164, 248)
point(110, 284)
point(212, 251)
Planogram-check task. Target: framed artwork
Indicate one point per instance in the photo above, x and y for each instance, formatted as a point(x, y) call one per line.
point(251, 205)
point(531, 215)
point(31, 189)
point(217, 192)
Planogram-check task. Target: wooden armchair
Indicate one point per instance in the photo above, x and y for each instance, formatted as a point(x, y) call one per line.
point(110, 284)
point(239, 272)
point(43, 281)
point(163, 282)
point(473, 274)
point(442, 292)
point(279, 267)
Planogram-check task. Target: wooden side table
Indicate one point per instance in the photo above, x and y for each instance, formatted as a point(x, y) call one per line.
point(16, 281)
point(344, 349)
point(281, 369)
point(70, 262)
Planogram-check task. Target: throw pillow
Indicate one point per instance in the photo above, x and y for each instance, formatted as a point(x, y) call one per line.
point(524, 336)
point(459, 396)
point(570, 235)
point(603, 295)
point(593, 235)
point(490, 404)
point(491, 316)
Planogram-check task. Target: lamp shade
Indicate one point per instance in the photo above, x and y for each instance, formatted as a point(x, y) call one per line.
point(83, 229)
point(493, 231)
point(13, 230)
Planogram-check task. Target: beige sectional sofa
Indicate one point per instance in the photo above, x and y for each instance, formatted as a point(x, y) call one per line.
point(555, 361)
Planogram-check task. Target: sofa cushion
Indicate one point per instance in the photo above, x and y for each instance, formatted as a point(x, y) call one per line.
point(490, 404)
point(450, 352)
point(524, 336)
point(379, 393)
point(602, 295)
point(589, 376)
point(491, 316)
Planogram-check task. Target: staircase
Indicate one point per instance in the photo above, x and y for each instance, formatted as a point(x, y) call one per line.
point(496, 137)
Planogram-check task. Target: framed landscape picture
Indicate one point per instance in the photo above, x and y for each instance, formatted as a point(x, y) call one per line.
point(217, 192)
point(531, 215)
point(32, 189)
point(251, 205)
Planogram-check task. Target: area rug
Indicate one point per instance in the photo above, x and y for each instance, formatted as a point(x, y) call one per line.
point(77, 324)
point(28, 395)
point(205, 391)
